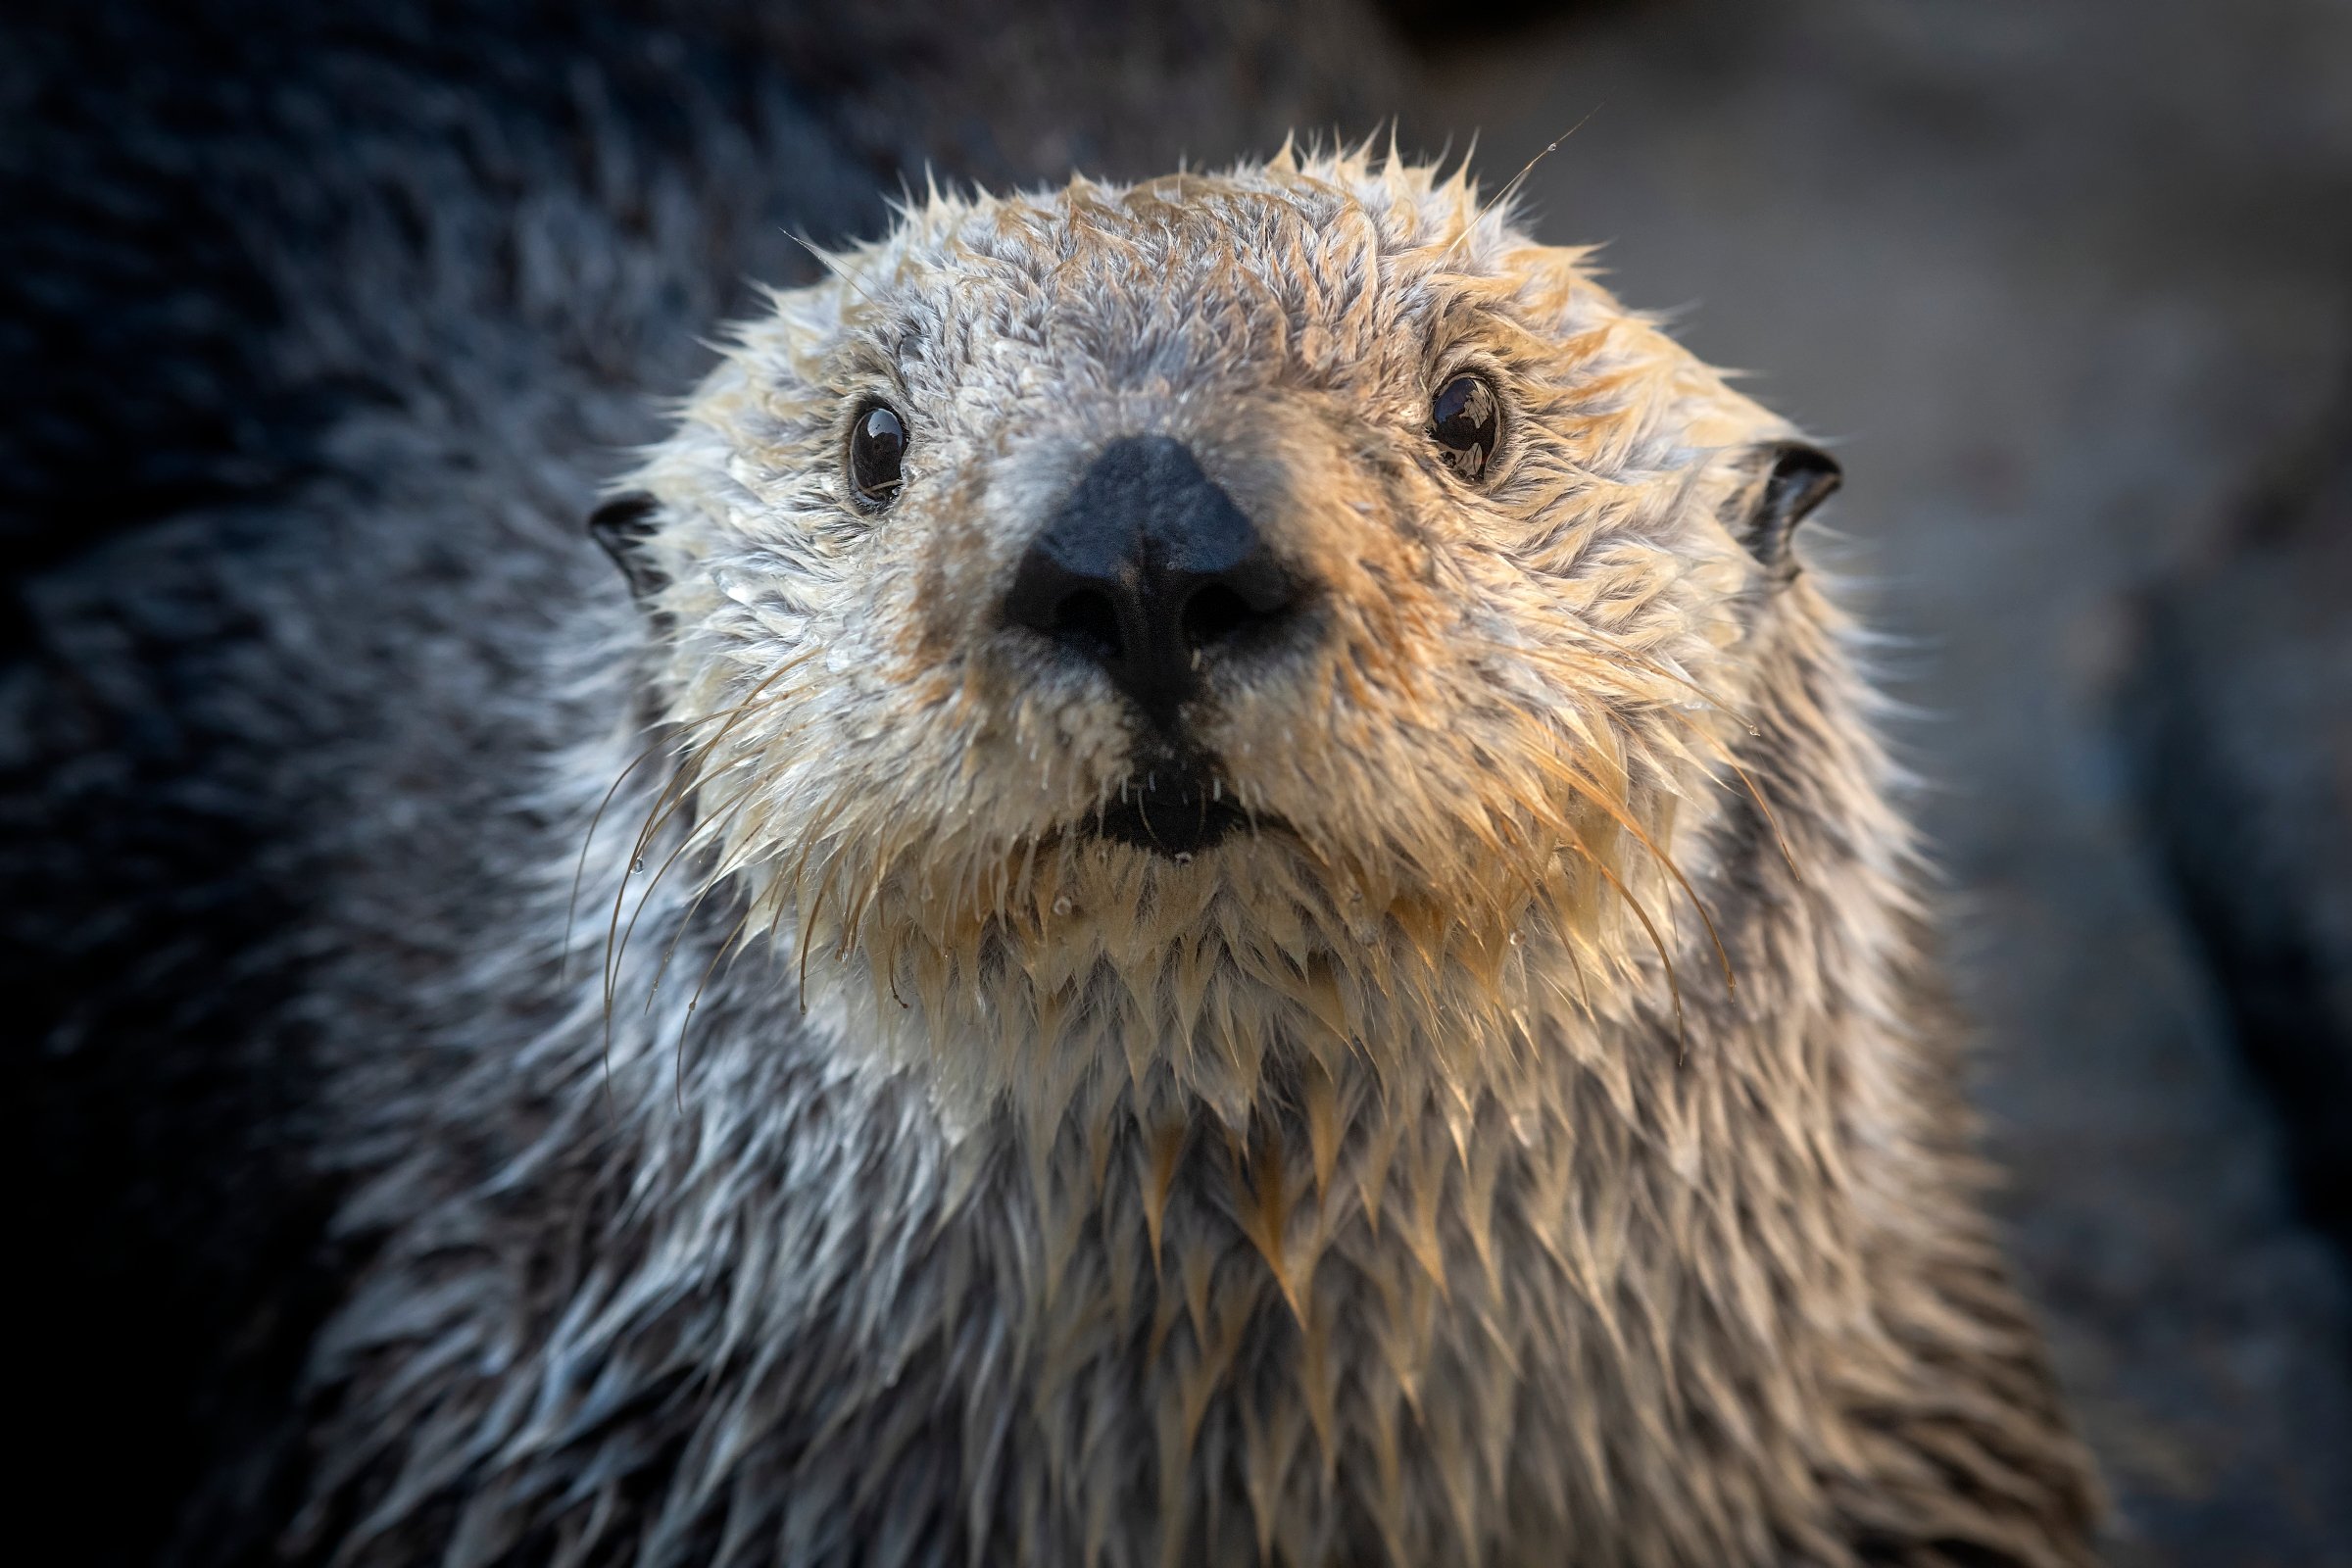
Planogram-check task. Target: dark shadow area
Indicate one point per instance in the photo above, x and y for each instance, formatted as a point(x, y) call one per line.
point(2239, 711)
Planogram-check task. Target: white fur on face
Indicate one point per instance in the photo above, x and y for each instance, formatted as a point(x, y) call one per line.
point(1514, 686)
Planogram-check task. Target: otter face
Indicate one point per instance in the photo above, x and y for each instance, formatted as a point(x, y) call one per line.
point(1278, 577)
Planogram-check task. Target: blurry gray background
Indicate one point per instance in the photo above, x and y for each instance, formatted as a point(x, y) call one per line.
point(2069, 289)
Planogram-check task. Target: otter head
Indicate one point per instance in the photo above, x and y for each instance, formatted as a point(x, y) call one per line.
point(1148, 632)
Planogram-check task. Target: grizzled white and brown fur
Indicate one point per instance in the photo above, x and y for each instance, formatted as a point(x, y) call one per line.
point(1261, 924)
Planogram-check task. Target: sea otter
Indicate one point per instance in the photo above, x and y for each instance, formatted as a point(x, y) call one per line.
point(1221, 894)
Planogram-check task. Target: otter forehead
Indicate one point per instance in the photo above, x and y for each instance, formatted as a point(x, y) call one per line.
point(1264, 277)
point(1338, 277)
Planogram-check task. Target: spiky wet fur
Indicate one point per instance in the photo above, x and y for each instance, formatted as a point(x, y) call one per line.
point(1535, 1142)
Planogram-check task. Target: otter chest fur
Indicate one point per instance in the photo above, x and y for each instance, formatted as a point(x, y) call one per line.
point(1241, 909)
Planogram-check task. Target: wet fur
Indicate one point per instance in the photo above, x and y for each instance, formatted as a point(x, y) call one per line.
point(1537, 1143)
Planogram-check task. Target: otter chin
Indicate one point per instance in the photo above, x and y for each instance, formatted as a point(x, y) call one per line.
point(1246, 909)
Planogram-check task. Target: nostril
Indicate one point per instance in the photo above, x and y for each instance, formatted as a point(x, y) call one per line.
point(1215, 614)
point(1088, 621)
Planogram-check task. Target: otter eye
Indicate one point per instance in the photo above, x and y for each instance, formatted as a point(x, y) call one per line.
point(1466, 417)
point(877, 446)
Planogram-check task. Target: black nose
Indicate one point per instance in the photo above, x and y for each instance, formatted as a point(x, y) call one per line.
point(1147, 568)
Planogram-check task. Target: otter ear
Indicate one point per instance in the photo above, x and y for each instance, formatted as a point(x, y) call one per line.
point(1798, 477)
point(622, 525)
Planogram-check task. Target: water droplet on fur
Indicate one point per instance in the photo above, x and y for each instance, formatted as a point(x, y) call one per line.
point(1515, 939)
point(1063, 905)
point(736, 586)
point(1752, 730)
point(637, 866)
point(1184, 858)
